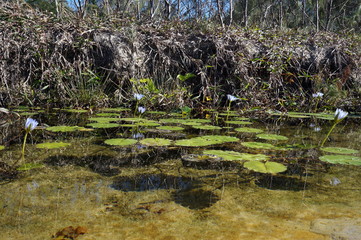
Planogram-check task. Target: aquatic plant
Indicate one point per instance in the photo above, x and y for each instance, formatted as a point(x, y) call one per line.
point(339, 116)
point(30, 125)
point(341, 159)
point(318, 96)
point(141, 110)
point(265, 167)
point(138, 97)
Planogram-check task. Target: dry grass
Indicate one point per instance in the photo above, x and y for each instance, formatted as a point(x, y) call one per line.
point(91, 62)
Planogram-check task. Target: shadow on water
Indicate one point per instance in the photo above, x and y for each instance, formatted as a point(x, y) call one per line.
point(282, 183)
point(109, 165)
point(187, 192)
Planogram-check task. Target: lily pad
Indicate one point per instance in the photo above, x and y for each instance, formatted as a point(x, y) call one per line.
point(2, 147)
point(52, 145)
point(115, 109)
point(205, 141)
point(206, 127)
point(120, 141)
point(267, 167)
point(170, 128)
point(232, 155)
point(271, 137)
point(172, 120)
point(103, 125)
point(339, 150)
point(107, 114)
point(62, 128)
point(155, 141)
point(28, 166)
point(75, 110)
point(341, 159)
point(248, 130)
point(147, 124)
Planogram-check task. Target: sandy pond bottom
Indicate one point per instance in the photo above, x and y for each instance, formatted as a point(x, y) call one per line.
point(218, 206)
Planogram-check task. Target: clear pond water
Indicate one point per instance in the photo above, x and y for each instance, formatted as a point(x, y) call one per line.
point(149, 189)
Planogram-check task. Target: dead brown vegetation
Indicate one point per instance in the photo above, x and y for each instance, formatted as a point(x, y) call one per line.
point(91, 62)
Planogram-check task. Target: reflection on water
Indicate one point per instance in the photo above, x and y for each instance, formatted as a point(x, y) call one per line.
point(142, 192)
point(149, 182)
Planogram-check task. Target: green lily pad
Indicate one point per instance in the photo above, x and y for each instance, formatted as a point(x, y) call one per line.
point(115, 109)
point(297, 116)
point(339, 150)
point(52, 145)
point(205, 141)
point(2, 147)
point(191, 123)
point(238, 122)
point(170, 128)
point(259, 145)
point(199, 120)
point(28, 166)
point(62, 128)
point(248, 130)
point(103, 125)
point(341, 159)
point(107, 114)
point(268, 167)
point(241, 119)
point(172, 120)
point(120, 141)
point(229, 114)
point(271, 137)
point(103, 119)
point(232, 155)
point(75, 110)
point(147, 124)
point(206, 127)
point(155, 142)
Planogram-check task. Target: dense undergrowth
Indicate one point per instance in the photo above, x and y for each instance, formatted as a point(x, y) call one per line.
point(103, 62)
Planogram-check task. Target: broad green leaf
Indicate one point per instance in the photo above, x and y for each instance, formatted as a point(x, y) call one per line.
point(155, 142)
point(268, 167)
point(248, 130)
point(62, 128)
point(232, 155)
point(341, 159)
point(271, 137)
point(339, 150)
point(120, 141)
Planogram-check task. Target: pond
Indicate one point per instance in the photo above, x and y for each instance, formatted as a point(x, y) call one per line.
point(116, 174)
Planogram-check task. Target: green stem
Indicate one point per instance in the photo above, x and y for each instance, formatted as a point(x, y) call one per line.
point(23, 149)
point(136, 109)
point(228, 109)
point(328, 134)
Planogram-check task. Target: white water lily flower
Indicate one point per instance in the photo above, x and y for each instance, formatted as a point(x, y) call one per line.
point(138, 96)
point(141, 109)
point(231, 98)
point(318, 94)
point(340, 114)
point(30, 124)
